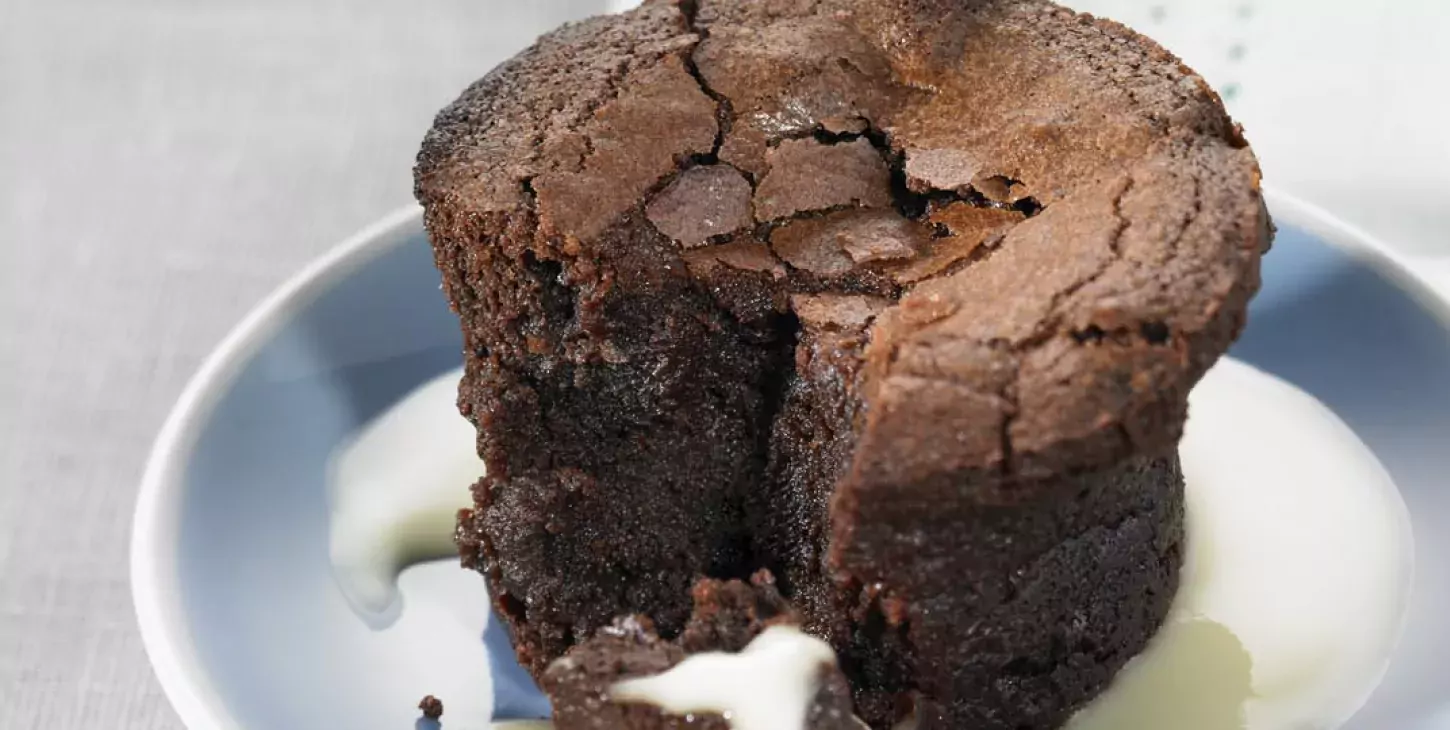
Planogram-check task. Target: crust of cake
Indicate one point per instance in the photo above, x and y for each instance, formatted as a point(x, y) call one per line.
point(901, 300)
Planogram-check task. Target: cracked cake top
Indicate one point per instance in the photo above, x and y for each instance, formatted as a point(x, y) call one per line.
point(1051, 226)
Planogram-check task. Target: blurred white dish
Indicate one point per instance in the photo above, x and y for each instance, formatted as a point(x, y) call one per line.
point(248, 630)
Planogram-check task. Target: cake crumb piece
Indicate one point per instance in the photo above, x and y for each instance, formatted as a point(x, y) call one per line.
point(431, 706)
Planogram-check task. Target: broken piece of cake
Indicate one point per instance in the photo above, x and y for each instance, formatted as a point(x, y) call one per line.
point(742, 656)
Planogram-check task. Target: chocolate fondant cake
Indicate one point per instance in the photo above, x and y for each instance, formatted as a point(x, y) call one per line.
point(900, 300)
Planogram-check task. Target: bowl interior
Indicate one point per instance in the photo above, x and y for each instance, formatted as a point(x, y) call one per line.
point(279, 648)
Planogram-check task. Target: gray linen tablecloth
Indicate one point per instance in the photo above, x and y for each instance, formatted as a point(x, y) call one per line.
point(163, 165)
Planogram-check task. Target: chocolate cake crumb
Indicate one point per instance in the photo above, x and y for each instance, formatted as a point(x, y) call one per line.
point(431, 706)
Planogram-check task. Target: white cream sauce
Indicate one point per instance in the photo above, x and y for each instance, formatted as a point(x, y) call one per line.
point(768, 686)
point(1297, 576)
point(1295, 585)
point(395, 490)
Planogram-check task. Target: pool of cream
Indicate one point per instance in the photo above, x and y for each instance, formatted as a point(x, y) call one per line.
point(1294, 587)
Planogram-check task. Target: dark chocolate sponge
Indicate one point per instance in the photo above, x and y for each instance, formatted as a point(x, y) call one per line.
point(900, 299)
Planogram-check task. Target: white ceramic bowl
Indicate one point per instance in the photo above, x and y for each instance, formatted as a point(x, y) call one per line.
point(247, 630)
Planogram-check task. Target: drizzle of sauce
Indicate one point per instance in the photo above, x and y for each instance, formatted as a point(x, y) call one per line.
point(770, 685)
point(1294, 587)
point(394, 491)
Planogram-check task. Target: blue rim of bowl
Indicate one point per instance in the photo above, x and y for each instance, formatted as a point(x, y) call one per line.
point(165, 633)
